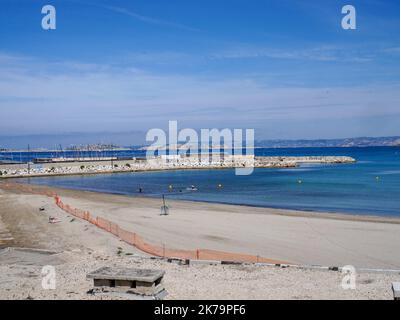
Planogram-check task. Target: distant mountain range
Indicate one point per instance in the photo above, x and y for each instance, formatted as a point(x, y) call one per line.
point(323, 143)
point(135, 138)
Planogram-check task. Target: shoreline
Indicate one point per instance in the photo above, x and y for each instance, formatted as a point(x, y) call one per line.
point(287, 212)
point(338, 215)
point(277, 211)
point(281, 235)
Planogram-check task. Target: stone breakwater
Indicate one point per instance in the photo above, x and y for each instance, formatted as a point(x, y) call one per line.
point(97, 167)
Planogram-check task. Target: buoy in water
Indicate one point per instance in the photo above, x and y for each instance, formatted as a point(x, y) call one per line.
point(219, 185)
point(300, 181)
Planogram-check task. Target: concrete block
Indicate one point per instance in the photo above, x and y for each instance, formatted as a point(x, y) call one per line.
point(204, 262)
point(137, 281)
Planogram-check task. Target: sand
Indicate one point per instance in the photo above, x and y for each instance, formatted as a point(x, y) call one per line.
point(295, 237)
point(291, 236)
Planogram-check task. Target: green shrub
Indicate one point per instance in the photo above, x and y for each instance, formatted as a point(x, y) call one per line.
point(82, 167)
point(128, 165)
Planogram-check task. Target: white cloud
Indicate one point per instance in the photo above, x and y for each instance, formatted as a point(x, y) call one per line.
point(318, 53)
point(68, 96)
point(147, 19)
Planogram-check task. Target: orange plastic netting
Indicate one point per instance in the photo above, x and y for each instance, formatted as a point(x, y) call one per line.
point(133, 238)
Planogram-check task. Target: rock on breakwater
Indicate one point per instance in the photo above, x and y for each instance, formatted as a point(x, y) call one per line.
point(163, 163)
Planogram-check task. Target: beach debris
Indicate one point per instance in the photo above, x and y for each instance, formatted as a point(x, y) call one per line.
point(140, 282)
point(54, 220)
point(396, 290)
point(42, 209)
point(181, 262)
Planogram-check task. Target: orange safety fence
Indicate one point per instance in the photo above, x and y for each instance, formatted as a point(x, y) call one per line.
point(133, 238)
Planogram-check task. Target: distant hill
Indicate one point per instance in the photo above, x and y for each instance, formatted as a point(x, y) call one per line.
point(321, 143)
point(53, 142)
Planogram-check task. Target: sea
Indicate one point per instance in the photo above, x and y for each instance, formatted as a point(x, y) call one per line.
point(371, 186)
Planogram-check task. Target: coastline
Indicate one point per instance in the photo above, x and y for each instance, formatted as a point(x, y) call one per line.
point(344, 214)
point(260, 209)
point(282, 211)
point(285, 235)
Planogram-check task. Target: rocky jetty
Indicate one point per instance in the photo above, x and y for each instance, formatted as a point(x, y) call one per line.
point(162, 163)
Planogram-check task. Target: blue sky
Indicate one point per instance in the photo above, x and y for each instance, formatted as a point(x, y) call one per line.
point(285, 68)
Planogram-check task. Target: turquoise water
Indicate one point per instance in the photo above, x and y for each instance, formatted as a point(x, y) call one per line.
point(370, 186)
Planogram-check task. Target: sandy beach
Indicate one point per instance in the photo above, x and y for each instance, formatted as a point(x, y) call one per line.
point(296, 237)
point(292, 236)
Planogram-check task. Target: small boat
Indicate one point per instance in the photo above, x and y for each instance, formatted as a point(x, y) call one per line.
point(192, 188)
